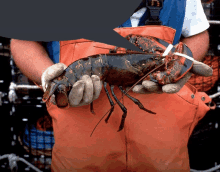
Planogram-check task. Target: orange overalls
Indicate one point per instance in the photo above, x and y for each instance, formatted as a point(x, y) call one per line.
point(147, 143)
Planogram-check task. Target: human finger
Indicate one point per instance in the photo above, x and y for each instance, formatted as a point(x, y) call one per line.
point(175, 87)
point(88, 90)
point(50, 73)
point(97, 86)
point(76, 93)
point(202, 69)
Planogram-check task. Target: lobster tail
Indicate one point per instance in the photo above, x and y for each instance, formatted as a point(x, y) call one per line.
point(60, 92)
point(49, 92)
point(61, 97)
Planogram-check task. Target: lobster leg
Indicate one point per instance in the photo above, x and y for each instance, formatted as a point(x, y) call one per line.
point(136, 101)
point(123, 108)
point(111, 102)
point(91, 108)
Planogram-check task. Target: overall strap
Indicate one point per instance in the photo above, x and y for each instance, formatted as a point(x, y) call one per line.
point(153, 8)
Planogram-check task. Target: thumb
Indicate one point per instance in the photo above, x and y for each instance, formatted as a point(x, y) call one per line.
point(51, 73)
point(202, 69)
point(174, 88)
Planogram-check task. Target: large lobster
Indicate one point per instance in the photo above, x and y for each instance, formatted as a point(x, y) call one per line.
point(125, 69)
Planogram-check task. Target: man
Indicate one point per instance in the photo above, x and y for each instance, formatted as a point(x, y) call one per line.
point(148, 142)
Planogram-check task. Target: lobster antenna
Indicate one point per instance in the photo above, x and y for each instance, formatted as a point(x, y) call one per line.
point(100, 121)
point(102, 47)
point(127, 92)
point(118, 49)
point(143, 78)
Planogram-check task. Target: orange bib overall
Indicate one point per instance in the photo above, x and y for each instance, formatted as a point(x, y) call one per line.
point(147, 143)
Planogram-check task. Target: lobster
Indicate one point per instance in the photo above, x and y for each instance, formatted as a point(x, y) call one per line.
point(124, 69)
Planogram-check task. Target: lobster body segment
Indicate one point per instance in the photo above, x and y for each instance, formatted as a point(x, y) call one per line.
point(115, 69)
point(124, 70)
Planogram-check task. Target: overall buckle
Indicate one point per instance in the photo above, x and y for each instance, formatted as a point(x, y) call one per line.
point(153, 8)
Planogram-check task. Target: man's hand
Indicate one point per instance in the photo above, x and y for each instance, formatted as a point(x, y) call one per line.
point(152, 87)
point(83, 92)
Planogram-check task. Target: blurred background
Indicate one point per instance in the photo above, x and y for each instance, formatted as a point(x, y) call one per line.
point(26, 129)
